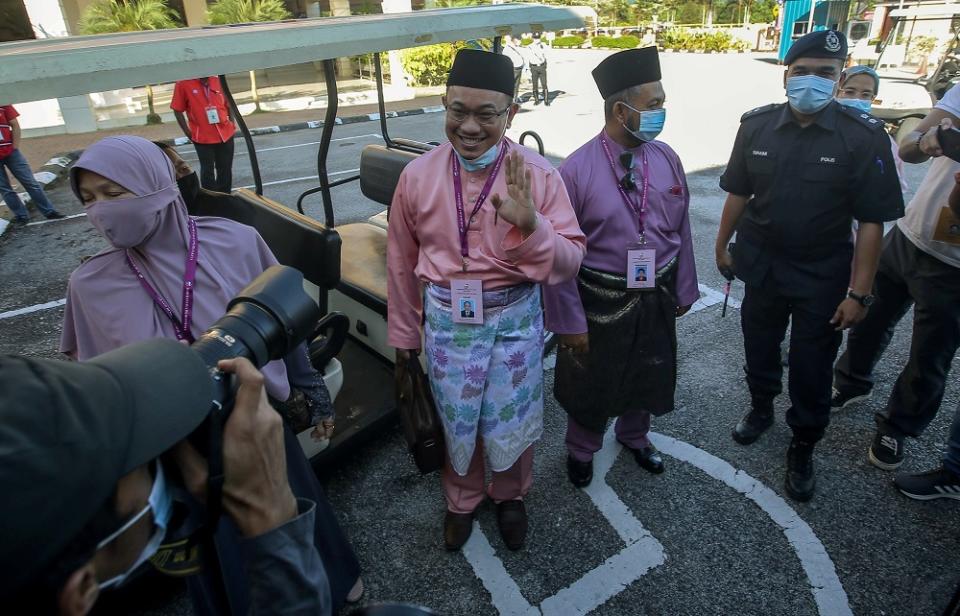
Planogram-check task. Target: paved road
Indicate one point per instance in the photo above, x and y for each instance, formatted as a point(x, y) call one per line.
point(713, 535)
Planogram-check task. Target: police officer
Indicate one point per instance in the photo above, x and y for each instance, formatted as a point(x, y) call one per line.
point(798, 175)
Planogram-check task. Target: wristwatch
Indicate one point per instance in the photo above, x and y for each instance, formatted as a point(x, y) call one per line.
point(865, 300)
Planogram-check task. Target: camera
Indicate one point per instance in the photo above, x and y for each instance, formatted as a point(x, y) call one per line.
point(264, 322)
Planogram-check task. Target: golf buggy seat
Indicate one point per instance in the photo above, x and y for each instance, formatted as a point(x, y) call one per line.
point(363, 265)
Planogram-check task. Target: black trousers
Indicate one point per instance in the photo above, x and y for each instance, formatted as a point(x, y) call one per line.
point(216, 165)
point(765, 313)
point(538, 75)
point(517, 72)
point(907, 276)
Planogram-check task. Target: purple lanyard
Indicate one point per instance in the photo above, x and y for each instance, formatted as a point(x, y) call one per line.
point(180, 330)
point(458, 193)
point(206, 90)
point(630, 203)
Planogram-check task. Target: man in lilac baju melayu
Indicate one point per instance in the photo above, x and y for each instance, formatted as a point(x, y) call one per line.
point(617, 329)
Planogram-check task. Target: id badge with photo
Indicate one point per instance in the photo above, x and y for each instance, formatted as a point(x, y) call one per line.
point(641, 268)
point(948, 228)
point(466, 301)
point(212, 116)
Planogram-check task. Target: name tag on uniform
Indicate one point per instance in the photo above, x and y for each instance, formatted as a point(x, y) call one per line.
point(212, 116)
point(948, 228)
point(466, 301)
point(641, 268)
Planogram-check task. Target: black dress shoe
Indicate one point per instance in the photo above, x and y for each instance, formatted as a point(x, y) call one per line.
point(456, 529)
point(753, 424)
point(512, 521)
point(649, 459)
point(800, 481)
point(54, 215)
point(579, 473)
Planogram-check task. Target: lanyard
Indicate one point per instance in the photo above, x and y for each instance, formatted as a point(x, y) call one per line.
point(458, 193)
point(630, 203)
point(181, 331)
point(207, 90)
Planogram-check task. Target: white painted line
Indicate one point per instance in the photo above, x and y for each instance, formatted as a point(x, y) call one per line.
point(4, 223)
point(60, 161)
point(47, 222)
point(642, 553)
point(711, 297)
point(191, 154)
point(36, 308)
point(503, 590)
point(44, 177)
point(434, 109)
point(302, 179)
point(828, 592)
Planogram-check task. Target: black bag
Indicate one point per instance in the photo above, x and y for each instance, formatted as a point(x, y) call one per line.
point(418, 416)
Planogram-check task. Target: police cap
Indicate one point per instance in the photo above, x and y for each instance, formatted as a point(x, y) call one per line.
point(821, 44)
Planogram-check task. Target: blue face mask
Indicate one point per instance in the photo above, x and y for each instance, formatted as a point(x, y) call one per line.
point(857, 103)
point(480, 162)
point(650, 125)
point(160, 503)
point(808, 94)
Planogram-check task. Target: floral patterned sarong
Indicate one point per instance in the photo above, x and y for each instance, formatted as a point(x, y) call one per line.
point(487, 378)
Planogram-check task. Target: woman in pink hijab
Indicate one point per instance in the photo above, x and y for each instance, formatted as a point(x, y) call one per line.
point(141, 288)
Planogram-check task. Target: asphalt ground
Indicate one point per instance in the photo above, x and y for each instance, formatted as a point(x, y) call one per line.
point(715, 534)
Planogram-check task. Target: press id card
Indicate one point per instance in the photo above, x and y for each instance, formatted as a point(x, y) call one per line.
point(212, 116)
point(466, 301)
point(641, 268)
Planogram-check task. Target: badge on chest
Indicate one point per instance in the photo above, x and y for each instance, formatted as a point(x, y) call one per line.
point(641, 267)
point(466, 301)
point(213, 117)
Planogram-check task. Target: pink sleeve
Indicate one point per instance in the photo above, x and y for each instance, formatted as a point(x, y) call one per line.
point(553, 252)
point(404, 301)
point(563, 310)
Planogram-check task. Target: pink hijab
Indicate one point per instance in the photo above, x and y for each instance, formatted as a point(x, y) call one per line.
point(106, 305)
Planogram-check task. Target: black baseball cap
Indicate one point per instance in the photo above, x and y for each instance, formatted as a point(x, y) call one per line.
point(69, 431)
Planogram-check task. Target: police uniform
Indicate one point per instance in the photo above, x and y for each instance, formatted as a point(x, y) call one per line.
point(794, 245)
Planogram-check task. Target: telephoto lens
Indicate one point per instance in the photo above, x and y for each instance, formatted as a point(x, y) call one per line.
point(265, 321)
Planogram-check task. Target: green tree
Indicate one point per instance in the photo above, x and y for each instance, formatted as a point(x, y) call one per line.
point(105, 16)
point(246, 11)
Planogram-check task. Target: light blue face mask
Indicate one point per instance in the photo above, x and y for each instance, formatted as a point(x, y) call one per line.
point(857, 103)
point(480, 162)
point(160, 503)
point(650, 125)
point(808, 94)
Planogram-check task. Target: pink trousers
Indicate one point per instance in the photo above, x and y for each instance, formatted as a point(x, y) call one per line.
point(464, 494)
point(631, 428)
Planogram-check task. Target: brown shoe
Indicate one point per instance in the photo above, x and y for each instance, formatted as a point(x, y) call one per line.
point(456, 529)
point(512, 520)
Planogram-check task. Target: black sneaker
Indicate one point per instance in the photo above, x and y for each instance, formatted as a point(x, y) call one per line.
point(842, 398)
point(54, 215)
point(937, 483)
point(886, 452)
point(18, 223)
point(579, 473)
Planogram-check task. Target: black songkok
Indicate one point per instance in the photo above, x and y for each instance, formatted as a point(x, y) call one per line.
point(626, 69)
point(821, 44)
point(483, 70)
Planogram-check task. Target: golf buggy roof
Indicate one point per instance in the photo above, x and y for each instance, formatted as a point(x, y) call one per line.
point(59, 67)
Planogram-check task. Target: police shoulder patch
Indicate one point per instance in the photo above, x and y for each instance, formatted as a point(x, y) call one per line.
point(862, 118)
point(759, 111)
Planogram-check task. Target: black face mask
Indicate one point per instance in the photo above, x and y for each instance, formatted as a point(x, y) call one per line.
point(189, 186)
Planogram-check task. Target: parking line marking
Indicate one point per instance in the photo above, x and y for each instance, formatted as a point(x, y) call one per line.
point(35, 308)
point(828, 592)
point(641, 554)
point(711, 297)
point(192, 155)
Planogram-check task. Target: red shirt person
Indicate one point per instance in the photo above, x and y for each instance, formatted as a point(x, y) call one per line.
point(209, 125)
point(12, 160)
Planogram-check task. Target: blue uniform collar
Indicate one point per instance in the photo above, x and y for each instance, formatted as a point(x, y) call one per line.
point(826, 119)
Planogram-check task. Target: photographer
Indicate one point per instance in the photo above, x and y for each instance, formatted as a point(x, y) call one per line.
point(80, 452)
point(171, 275)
